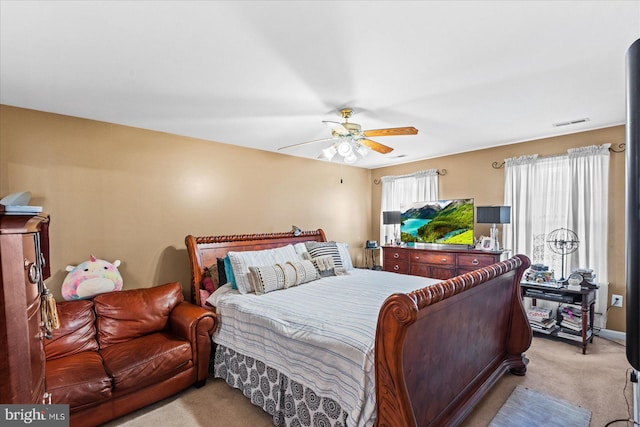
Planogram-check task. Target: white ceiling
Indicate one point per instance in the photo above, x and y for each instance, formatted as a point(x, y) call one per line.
point(264, 74)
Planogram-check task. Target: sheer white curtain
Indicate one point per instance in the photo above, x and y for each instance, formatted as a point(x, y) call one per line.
point(537, 191)
point(518, 174)
point(416, 187)
point(589, 216)
point(567, 191)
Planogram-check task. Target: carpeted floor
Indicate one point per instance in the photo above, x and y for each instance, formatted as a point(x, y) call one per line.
point(597, 381)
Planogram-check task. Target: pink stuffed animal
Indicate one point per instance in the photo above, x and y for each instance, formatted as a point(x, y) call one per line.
point(91, 278)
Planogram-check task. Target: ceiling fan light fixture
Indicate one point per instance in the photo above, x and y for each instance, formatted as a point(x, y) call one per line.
point(362, 150)
point(329, 152)
point(350, 158)
point(351, 142)
point(345, 148)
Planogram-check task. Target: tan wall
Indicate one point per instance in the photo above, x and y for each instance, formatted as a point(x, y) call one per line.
point(124, 193)
point(471, 175)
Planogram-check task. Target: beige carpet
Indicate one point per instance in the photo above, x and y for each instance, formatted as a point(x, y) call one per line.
point(597, 381)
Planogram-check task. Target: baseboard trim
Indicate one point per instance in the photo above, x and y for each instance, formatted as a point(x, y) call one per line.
point(611, 334)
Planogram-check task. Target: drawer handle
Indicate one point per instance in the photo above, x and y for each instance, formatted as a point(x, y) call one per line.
point(444, 260)
point(475, 261)
point(396, 255)
point(34, 272)
point(396, 267)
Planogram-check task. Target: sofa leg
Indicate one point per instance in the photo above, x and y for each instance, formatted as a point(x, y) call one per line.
point(200, 383)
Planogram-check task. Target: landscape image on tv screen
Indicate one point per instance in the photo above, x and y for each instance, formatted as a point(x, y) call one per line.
point(440, 221)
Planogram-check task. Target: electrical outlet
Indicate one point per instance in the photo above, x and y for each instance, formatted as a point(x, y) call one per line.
point(616, 300)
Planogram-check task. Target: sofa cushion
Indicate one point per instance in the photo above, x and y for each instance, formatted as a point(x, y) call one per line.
point(77, 332)
point(146, 360)
point(78, 379)
point(125, 315)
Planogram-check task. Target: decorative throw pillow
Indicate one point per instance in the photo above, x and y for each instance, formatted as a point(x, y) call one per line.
point(207, 280)
point(305, 271)
point(290, 275)
point(324, 265)
point(228, 271)
point(319, 249)
point(222, 274)
point(267, 278)
point(204, 294)
point(240, 262)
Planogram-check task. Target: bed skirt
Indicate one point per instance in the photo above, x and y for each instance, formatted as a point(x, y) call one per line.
point(288, 402)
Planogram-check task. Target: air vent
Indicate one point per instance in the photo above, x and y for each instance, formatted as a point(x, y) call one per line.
point(571, 122)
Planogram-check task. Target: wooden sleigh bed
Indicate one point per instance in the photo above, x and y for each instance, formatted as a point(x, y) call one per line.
point(438, 349)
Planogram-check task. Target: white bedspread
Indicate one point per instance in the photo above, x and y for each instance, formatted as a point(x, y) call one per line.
point(320, 334)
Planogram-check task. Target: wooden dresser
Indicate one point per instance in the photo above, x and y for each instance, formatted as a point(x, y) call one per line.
point(24, 263)
point(436, 263)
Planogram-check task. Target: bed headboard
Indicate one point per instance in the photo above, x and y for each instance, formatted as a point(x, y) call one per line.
point(205, 250)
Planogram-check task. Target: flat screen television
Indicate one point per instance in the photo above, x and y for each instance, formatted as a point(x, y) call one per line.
point(448, 222)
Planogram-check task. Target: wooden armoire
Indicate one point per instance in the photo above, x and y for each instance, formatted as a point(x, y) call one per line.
point(24, 264)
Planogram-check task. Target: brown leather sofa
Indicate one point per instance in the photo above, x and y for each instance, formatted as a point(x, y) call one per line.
point(125, 350)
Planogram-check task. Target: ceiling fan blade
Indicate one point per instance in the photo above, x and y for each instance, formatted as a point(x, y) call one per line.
point(391, 131)
point(375, 146)
point(337, 127)
point(307, 142)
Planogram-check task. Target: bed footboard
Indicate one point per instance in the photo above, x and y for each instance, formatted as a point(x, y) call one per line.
point(439, 349)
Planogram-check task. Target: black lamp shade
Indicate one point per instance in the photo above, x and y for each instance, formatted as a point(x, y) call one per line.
point(391, 217)
point(493, 215)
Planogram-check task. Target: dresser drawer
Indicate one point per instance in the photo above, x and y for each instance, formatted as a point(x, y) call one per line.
point(437, 258)
point(396, 266)
point(393, 255)
point(475, 261)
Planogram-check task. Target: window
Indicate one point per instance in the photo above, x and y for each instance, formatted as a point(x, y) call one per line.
point(416, 187)
point(568, 191)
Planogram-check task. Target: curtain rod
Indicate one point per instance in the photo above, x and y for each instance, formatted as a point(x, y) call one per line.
point(619, 149)
point(440, 172)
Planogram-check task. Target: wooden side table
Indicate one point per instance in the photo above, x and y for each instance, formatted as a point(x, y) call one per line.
point(371, 253)
point(585, 298)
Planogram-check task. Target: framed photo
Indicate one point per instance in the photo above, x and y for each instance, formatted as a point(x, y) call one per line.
point(485, 243)
point(479, 242)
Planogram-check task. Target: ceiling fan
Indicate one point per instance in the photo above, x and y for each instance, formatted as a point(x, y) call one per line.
point(349, 139)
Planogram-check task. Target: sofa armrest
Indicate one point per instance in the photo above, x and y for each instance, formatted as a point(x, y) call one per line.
point(195, 324)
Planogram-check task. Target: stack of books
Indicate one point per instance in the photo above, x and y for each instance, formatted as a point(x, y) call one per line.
point(542, 320)
point(571, 323)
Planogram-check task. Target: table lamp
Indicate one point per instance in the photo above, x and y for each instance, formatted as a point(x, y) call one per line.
point(493, 215)
point(391, 218)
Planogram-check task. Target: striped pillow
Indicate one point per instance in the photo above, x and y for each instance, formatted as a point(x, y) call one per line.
point(320, 249)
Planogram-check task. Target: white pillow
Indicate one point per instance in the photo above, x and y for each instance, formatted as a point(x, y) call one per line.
point(241, 261)
point(319, 249)
point(218, 293)
point(345, 256)
point(300, 248)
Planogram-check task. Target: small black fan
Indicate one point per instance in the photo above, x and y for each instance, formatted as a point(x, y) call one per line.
point(563, 242)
